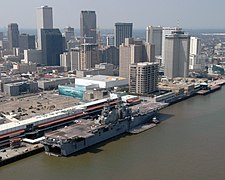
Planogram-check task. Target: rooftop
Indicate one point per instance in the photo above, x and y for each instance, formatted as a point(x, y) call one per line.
point(103, 78)
point(27, 106)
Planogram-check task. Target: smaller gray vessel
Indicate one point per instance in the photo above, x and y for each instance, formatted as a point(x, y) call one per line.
point(85, 133)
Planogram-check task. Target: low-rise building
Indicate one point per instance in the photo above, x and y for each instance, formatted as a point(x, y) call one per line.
point(49, 84)
point(15, 89)
point(102, 81)
point(24, 67)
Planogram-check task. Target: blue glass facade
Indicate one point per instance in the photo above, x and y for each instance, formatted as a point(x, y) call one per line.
point(75, 92)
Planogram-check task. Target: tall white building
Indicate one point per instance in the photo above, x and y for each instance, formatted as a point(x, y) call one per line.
point(44, 21)
point(197, 61)
point(167, 31)
point(154, 36)
point(195, 45)
point(177, 50)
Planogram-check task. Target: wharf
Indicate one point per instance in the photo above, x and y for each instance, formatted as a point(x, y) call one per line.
point(212, 89)
point(10, 155)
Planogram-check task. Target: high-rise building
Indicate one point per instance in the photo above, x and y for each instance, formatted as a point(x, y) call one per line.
point(122, 31)
point(33, 55)
point(143, 78)
point(89, 56)
point(52, 46)
point(75, 59)
point(110, 41)
point(1, 36)
point(148, 52)
point(69, 33)
point(71, 59)
point(177, 50)
point(109, 54)
point(195, 45)
point(154, 36)
point(167, 31)
point(133, 51)
point(88, 27)
point(26, 41)
point(197, 61)
point(13, 35)
point(44, 21)
point(65, 60)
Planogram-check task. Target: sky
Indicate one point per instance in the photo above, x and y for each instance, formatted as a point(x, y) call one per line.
point(191, 14)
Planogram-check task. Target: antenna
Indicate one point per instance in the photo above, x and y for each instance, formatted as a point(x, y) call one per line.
point(178, 23)
point(99, 37)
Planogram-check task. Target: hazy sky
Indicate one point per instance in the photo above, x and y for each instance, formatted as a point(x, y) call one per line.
point(189, 14)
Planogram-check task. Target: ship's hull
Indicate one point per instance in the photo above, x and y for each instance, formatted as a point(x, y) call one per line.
point(103, 134)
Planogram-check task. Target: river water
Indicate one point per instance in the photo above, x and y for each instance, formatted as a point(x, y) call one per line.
point(189, 144)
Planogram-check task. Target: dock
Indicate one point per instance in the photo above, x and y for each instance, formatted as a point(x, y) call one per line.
point(10, 155)
point(207, 91)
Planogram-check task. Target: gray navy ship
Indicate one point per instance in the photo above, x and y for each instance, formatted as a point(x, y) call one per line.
point(85, 133)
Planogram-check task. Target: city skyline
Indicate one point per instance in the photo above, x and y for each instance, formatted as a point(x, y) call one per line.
point(189, 15)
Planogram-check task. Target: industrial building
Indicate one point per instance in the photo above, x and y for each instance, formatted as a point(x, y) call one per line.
point(102, 81)
point(15, 89)
point(49, 84)
point(92, 87)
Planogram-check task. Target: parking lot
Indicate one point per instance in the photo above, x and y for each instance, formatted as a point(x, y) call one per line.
point(24, 107)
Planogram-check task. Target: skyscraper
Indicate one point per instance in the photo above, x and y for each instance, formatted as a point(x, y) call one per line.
point(26, 41)
point(109, 54)
point(1, 36)
point(71, 59)
point(195, 45)
point(167, 31)
point(69, 36)
point(52, 46)
point(88, 26)
point(143, 78)
point(133, 51)
point(44, 21)
point(122, 31)
point(69, 33)
point(89, 56)
point(13, 35)
point(196, 60)
point(177, 48)
point(154, 36)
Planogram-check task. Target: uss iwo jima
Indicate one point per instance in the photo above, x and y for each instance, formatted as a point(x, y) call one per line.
point(112, 122)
